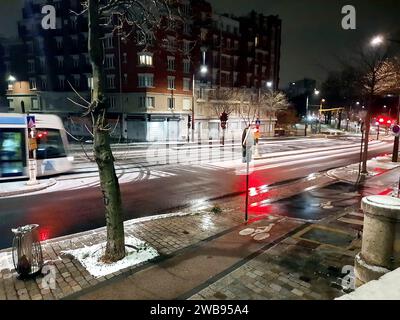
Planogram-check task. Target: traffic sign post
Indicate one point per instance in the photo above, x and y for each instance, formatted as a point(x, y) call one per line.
point(247, 148)
point(33, 145)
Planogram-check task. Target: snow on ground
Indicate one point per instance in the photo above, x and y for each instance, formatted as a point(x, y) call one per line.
point(137, 251)
point(6, 262)
point(386, 288)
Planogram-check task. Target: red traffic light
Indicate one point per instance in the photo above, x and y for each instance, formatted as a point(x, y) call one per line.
point(223, 117)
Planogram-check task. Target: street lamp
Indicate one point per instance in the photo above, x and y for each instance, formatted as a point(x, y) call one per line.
point(269, 84)
point(316, 93)
point(203, 72)
point(376, 42)
point(11, 80)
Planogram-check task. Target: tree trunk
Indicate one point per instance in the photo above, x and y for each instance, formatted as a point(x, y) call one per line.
point(115, 249)
point(367, 126)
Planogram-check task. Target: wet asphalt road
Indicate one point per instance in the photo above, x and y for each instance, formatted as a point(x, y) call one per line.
point(66, 212)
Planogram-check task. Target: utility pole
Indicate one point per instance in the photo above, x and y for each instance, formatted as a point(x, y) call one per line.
point(193, 104)
point(395, 157)
point(306, 118)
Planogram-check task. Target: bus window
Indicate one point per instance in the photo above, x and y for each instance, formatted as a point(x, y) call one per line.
point(12, 152)
point(50, 144)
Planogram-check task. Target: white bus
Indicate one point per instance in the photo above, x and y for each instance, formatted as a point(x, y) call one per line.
point(52, 153)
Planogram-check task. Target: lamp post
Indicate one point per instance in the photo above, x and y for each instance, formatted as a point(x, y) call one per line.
point(203, 71)
point(376, 42)
point(316, 93)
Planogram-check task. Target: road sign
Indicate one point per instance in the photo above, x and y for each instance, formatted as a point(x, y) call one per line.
point(396, 130)
point(31, 121)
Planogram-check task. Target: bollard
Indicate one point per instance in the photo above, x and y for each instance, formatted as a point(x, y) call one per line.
point(380, 252)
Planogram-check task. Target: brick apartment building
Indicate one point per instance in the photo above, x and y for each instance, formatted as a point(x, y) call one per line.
point(150, 88)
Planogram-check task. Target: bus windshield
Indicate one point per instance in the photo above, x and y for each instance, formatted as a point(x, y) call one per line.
point(50, 144)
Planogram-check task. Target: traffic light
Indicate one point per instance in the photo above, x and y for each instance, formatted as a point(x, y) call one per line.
point(223, 118)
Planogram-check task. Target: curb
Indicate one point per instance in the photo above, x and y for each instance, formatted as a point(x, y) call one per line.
point(39, 187)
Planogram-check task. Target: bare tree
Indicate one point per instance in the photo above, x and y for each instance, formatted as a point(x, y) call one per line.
point(271, 102)
point(138, 19)
point(377, 77)
point(224, 100)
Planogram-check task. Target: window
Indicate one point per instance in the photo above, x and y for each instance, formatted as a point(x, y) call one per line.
point(186, 66)
point(145, 59)
point(75, 61)
point(186, 84)
point(186, 8)
point(187, 104)
point(50, 144)
point(59, 42)
point(171, 103)
point(125, 79)
point(171, 83)
point(203, 34)
point(35, 104)
point(186, 28)
point(146, 80)
point(61, 82)
point(109, 41)
point(42, 63)
point(89, 80)
point(142, 102)
point(60, 62)
point(146, 102)
point(125, 58)
point(235, 61)
point(87, 59)
point(73, 22)
point(110, 61)
point(150, 102)
point(111, 81)
point(31, 66)
point(186, 47)
point(113, 102)
point(74, 40)
point(77, 80)
point(228, 43)
point(43, 82)
point(171, 44)
point(171, 64)
point(236, 45)
point(32, 83)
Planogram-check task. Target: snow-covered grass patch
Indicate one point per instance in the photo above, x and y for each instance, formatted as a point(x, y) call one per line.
point(6, 262)
point(137, 251)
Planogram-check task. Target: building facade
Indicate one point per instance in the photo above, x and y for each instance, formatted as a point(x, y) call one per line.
point(153, 89)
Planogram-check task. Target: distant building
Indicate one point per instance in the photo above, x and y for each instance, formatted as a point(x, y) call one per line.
point(150, 89)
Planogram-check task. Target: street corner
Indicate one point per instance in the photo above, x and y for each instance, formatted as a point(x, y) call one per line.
point(10, 189)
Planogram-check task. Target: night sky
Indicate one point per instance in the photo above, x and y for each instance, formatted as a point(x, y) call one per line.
point(312, 37)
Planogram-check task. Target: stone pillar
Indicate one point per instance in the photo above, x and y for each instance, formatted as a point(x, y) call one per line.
point(380, 252)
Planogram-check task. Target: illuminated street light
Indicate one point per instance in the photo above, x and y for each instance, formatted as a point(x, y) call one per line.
point(11, 79)
point(203, 69)
point(377, 41)
point(269, 84)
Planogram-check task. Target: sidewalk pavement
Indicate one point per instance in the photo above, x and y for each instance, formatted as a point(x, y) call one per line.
point(204, 256)
point(375, 167)
point(8, 189)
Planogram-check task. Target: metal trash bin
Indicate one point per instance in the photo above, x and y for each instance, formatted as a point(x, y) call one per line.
point(27, 251)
